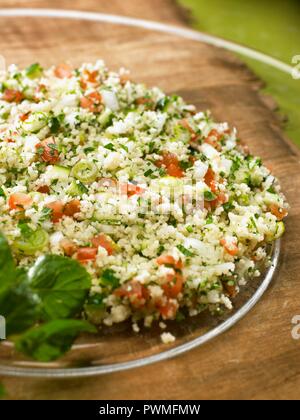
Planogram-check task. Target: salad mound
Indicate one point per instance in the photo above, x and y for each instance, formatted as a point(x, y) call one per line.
point(120, 202)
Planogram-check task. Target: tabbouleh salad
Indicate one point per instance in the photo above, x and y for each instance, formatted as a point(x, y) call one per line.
point(92, 234)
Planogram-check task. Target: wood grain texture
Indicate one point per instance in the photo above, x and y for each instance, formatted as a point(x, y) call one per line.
point(258, 357)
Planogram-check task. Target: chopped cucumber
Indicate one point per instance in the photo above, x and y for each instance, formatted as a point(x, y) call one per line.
point(34, 71)
point(32, 241)
point(35, 122)
point(271, 198)
point(113, 220)
point(105, 118)
point(169, 182)
point(279, 231)
point(243, 199)
point(76, 189)
point(168, 185)
point(36, 196)
point(181, 134)
point(58, 172)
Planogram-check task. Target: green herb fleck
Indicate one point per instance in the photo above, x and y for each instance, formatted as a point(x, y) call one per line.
point(184, 251)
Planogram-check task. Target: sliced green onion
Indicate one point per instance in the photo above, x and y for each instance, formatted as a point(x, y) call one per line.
point(110, 146)
point(32, 241)
point(184, 251)
point(162, 103)
point(209, 196)
point(85, 171)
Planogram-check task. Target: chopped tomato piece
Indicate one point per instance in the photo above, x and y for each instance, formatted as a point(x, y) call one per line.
point(209, 177)
point(86, 254)
point(169, 260)
point(175, 170)
point(92, 102)
point(24, 117)
point(222, 198)
point(167, 159)
point(95, 97)
point(19, 201)
point(124, 78)
point(44, 189)
point(12, 95)
point(279, 212)
point(108, 183)
point(63, 71)
point(41, 88)
point(105, 242)
point(72, 208)
point(184, 123)
point(230, 247)
point(171, 162)
point(145, 101)
point(214, 186)
point(85, 102)
point(173, 286)
point(129, 289)
point(131, 189)
point(245, 147)
point(210, 181)
point(169, 310)
point(135, 291)
point(92, 75)
point(68, 247)
point(47, 151)
point(214, 138)
point(83, 84)
point(57, 208)
point(192, 159)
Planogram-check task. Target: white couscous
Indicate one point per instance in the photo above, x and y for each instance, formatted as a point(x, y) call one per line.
point(164, 208)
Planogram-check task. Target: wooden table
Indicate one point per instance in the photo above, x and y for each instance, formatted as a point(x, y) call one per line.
point(258, 357)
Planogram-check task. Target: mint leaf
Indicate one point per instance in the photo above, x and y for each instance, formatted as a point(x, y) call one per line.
point(62, 285)
point(49, 341)
point(7, 265)
point(19, 308)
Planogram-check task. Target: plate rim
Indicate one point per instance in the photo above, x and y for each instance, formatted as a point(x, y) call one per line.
point(176, 30)
point(232, 320)
point(167, 354)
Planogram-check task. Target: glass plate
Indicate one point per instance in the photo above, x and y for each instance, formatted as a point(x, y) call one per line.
point(54, 36)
